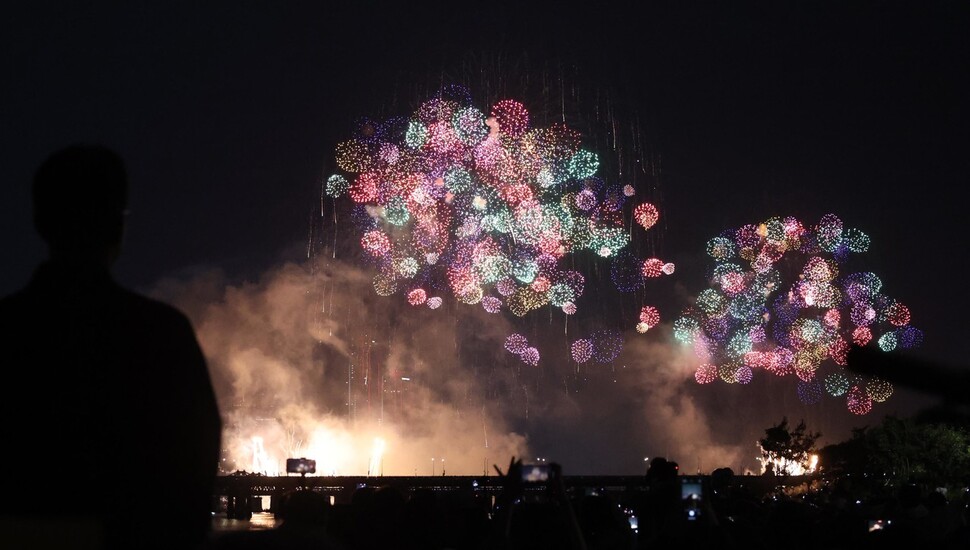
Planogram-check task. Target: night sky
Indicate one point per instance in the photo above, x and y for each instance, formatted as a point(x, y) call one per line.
point(227, 116)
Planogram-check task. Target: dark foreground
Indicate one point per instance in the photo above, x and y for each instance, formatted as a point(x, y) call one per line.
point(629, 513)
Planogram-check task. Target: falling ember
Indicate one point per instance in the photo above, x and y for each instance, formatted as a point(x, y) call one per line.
point(261, 462)
point(377, 457)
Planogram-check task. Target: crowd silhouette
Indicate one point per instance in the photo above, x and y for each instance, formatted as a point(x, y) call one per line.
point(726, 514)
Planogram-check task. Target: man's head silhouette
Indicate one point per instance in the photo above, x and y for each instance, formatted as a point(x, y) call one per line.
point(99, 365)
point(80, 196)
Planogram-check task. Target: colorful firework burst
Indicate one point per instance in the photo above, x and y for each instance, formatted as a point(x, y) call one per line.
point(780, 300)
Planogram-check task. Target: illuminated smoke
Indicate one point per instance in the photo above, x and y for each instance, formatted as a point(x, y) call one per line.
point(672, 420)
point(317, 366)
point(279, 349)
point(377, 457)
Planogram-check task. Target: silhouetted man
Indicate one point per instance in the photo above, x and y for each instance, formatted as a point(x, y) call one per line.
point(110, 429)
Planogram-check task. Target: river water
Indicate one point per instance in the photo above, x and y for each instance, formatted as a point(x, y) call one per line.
point(261, 521)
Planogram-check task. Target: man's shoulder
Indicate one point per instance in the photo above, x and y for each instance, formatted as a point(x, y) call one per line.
point(14, 302)
point(13, 298)
point(105, 304)
point(151, 308)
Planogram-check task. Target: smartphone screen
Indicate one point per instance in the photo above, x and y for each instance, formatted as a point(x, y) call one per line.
point(301, 466)
point(535, 473)
point(877, 524)
point(690, 489)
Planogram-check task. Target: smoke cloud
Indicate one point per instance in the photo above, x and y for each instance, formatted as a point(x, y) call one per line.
point(308, 361)
point(312, 363)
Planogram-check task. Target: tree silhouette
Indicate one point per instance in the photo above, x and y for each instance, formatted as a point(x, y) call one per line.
point(905, 450)
point(787, 451)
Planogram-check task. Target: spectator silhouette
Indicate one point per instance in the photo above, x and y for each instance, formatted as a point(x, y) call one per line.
point(909, 515)
point(536, 516)
point(111, 429)
point(420, 514)
point(379, 514)
point(664, 519)
point(603, 524)
point(662, 501)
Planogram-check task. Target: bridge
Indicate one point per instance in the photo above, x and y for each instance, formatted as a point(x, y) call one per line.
point(238, 492)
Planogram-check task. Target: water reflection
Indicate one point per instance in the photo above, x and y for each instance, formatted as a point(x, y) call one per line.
point(261, 521)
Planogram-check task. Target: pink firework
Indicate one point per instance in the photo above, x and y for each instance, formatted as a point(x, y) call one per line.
point(512, 117)
point(705, 374)
point(582, 350)
point(516, 343)
point(858, 401)
point(417, 297)
point(376, 243)
point(530, 356)
point(652, 268)
point(649, 316)
point(646, 215)
point(491, 304)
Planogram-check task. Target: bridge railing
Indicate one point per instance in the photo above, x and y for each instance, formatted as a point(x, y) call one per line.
point(341, 486)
